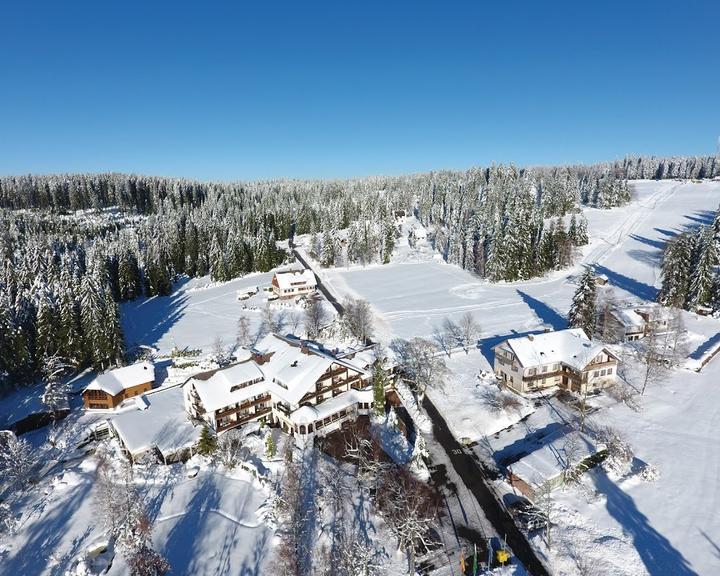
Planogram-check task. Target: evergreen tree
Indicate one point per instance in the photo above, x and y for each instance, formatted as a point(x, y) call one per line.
point(129, 279)
point(582, 309)
point(270, 447)
point(207, 445)
point(379, 383)
point(328, 251)
point(676, 271)
point(702, 279)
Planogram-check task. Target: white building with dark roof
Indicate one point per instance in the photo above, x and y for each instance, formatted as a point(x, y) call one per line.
point(296, 384)
point(566, 359)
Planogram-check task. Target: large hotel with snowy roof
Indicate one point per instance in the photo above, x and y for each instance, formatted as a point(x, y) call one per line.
point(566, 359)
point(299, 385)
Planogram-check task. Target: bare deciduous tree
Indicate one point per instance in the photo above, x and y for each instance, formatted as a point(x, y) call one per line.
point(654, 354)
point(358, 319)
point(244, 336)
point(420, 362)
point(230, 447)
point(544, 509)
point(410, 508)
point(442, 340)
point(220, 351)
point(453, 333)
point(315, 318)
point(469, 331)
point(607, 326)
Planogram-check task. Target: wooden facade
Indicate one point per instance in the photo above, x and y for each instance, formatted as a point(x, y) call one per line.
point(101, 400)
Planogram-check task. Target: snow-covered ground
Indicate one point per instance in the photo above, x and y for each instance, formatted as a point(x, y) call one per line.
point(210, 524)
point(471, 400)
point(195, 314)
point(667, 527)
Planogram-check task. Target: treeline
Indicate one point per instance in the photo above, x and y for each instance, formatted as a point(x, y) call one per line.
point(689, 268)
point(55, 303)
point(76, 245)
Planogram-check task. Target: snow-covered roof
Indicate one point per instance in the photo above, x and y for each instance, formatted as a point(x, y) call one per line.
point(309, 414)
point(115, 381)
point(294, 278)
point(293, 368)
point(216, 390)
point(304, 415)
point(571, 347)
point(546, 463)
point(292, 372)
point(629, 318)
point(164, 423)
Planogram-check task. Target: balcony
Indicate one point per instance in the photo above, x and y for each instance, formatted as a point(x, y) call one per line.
point(244, 420)
point(243, 406)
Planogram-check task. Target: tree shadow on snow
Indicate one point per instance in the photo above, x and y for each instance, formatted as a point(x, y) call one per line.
point(656, 552)
point(147, 320)
point(544, 312)
point(668, 233)
point(254, 565)
point(639, 289)
point(652, 258)
point(486, 345)
point(702, 217)
point(657, 244)
point(705, 347)
point(46, 534)
point(180, 547)
point(713, 545)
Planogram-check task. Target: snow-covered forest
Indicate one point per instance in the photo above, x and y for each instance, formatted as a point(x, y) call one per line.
point(75, 246)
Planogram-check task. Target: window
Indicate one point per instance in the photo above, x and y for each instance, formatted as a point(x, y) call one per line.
point(602, 372)
point(96, 395)
point(596, 373)
point(95, 406)
point(544, 369)
point(556, 367)
point(532, 371)
point(609, 371)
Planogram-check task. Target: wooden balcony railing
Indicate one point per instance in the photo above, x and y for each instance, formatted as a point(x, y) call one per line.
point(243, 406)
point(244, 420)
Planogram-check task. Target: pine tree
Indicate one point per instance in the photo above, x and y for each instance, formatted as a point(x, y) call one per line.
point(702, 279)
point(270, 447)
point(328, 251)
point(379, 383)
point(582, 309)
point(207, 445)
point(129, 279)
point(676, 271)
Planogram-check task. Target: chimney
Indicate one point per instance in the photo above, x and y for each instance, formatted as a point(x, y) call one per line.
point(530, 337)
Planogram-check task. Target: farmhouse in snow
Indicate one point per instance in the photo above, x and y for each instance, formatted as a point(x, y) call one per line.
point(296, 384)
point(108, 390)
point(634, 323)
point(293, 283)
point(566, 358)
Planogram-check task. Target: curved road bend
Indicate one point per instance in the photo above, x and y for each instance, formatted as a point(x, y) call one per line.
point(473, 475)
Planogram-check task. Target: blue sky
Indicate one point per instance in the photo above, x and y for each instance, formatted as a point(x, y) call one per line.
point(235, 90)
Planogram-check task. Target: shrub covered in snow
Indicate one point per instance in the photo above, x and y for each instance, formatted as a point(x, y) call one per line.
point(649, 473)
